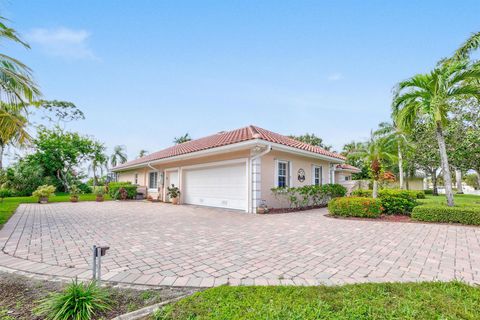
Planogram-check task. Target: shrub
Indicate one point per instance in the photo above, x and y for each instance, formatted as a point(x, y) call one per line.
point(309, 195)
point(443, 213)
point(44, 191)
point(5, 193)
point(114, 189)
point(355, 207)
point(334, 190)
point(397, 201)
point(429, 191)
point(362, 193)
point(78, 301)
point(85, 188)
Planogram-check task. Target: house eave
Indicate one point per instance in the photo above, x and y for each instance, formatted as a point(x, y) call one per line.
point(232, 147)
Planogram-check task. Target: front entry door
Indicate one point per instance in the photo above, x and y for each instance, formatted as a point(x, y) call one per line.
point(172, 179)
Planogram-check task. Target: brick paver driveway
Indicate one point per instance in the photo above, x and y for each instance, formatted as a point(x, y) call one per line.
point(161, 244)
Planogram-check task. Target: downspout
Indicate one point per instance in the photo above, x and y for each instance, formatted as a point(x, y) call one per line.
point(261, 154)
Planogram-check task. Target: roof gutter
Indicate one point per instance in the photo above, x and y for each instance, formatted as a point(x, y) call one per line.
point(261, 154)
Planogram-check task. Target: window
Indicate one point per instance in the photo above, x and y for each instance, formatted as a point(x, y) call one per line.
point(317, 176)
point(282, 174)
point(348, 178)
point(136, 178)
point(152, 180)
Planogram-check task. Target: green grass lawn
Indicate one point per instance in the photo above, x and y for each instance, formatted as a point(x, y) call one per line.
point(427, 300)
point(461, 200)
point(9, 205)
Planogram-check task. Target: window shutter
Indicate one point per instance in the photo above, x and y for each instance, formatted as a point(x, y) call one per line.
point(290, 169)
point(275, 183)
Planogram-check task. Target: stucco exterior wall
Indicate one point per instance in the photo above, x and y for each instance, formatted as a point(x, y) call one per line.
point(129, 176)
point(298, 162)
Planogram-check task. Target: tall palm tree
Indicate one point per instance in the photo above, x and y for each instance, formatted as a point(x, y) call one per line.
point(15, 128)
point(391, 131)
point(375, 153)
point(182, 139)
point(429, 97)
point(118, 156)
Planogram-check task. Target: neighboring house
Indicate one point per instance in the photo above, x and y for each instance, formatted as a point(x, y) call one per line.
point(235, 169)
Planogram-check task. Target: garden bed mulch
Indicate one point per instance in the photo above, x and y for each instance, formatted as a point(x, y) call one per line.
point(383, 217)
point(19, 295)
point(291, 210)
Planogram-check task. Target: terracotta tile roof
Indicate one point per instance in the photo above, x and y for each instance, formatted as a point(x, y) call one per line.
point(228, 138)
point(345, 166)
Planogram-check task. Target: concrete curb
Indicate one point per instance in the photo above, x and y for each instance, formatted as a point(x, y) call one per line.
point(140, 313)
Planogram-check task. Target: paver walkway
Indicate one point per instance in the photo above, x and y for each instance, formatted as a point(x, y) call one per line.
point(161, 244)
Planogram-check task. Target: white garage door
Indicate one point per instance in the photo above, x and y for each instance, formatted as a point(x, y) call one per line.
point(222, 186)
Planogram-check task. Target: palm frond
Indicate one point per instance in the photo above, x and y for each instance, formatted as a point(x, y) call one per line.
point(472, 43)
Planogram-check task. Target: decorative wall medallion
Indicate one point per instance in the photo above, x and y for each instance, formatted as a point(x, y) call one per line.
point(301, 175)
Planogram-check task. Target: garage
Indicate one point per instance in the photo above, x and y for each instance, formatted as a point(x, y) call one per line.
point(216, 186)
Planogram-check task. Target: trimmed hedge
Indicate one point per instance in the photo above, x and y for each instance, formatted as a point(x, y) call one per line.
point(394, 201)
point(362, 193)
point(114, 189)
point(355, 207)
point(443, 213)
point(397, 201)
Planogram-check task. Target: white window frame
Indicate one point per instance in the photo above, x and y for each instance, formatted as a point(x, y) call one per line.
point(288, 170)
point(320, 175)
point(156, 180)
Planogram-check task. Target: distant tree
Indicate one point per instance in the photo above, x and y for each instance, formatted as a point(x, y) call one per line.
point(182, 139)
point(398, 137)
point(311, 139)
point(61, 154)
point(118, 156)
point(142, 153)
point(59, 111)
point(354, 158)
point(424, 154)
point(376, 152)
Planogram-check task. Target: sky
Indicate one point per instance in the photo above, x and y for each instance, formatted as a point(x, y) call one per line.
point(144, 72)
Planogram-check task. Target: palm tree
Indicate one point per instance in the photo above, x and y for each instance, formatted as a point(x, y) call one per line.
point(375, 153)
point(16, 84)
point(118, 156)
point(429, 97)
point(392, 132)
point(142, 153)
point(15, 124)
point(182, 139)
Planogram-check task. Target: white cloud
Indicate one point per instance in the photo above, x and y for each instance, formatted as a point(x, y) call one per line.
point(62, 42)
point(335, 76)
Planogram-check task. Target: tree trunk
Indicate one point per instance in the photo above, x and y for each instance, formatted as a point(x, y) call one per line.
point(478, 177)
point(2, 148)
point(458, 180)
point(400, 166)
point(447, 177)
point(375, 189)
point(434, 182)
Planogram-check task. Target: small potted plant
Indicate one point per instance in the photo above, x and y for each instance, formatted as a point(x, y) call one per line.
point(43, 193)
point(74, 193)
point(99, 193)
point(262, 208)
point(173, 193)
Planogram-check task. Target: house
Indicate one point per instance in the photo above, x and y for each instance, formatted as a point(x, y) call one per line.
point(235, 169)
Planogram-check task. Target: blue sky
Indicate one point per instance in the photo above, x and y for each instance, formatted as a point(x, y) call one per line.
point(146, 71)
